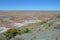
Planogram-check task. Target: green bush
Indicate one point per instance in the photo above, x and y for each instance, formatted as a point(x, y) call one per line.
point(10, 33)
point(58, 16)
point(44, 21)
point(0, 38)
point(19, 31)
point(24, 30)
point(50, 24)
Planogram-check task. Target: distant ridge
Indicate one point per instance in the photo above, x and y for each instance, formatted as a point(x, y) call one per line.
point(28, 12)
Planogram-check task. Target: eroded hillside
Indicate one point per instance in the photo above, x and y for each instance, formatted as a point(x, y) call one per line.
point(41, 26)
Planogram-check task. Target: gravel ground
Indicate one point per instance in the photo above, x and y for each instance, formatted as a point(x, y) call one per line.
point(48, 34)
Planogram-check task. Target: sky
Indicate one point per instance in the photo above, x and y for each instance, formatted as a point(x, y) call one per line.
point(29, 4)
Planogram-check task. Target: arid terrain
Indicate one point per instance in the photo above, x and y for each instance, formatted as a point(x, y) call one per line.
point(29, 25)
point(27, 12)
point(7, 17)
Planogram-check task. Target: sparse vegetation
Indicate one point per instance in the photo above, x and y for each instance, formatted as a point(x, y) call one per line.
point(10, 33)
point(46, 27)
point(50, 24)
point(43, 21)
point(24, 30)
point(32, 27)
point(58, 16)
point(0, 38)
